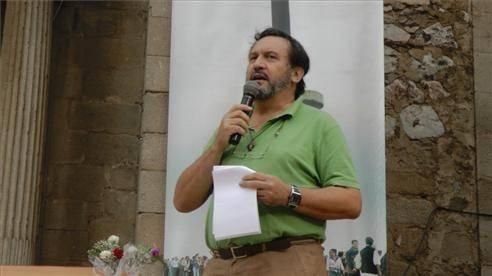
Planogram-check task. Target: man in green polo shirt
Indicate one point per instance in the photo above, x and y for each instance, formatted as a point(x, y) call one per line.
point(304, 173)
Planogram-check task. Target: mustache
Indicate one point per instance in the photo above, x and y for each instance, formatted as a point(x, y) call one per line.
point(259, 75)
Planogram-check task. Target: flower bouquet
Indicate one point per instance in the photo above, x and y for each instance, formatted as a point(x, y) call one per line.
point(110, 259)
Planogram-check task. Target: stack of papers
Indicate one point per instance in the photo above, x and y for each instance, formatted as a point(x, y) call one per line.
point(235, 208)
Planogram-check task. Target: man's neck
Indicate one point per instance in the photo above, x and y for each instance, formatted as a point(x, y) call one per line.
point(269, 108)
point(276, 104)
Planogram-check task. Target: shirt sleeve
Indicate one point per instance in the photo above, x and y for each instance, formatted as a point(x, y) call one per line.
point(334, 162)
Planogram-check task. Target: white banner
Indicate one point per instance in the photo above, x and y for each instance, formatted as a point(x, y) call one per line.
point(209, 47)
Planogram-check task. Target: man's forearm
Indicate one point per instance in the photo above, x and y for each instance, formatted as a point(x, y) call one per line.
point(193, 186)
point(330, 203)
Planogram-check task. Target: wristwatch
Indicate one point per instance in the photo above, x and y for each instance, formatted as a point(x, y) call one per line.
point(294, 197)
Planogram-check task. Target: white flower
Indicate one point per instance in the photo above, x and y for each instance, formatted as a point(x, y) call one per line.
point(131, 250)
point(105, 255)
point(113, 239)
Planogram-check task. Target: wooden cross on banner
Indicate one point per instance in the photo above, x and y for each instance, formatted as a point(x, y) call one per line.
point(281, 21)
point(280, 15)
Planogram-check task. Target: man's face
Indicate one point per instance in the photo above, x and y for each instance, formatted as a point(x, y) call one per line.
point(269, 65)
point(355, 244)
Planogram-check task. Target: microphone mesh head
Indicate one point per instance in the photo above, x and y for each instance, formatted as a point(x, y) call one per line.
point(252, 88)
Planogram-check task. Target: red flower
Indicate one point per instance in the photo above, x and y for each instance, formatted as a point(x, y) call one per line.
point(118, 253)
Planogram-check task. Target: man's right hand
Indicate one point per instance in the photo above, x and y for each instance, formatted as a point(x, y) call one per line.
point(236, 120)
point(193, 186)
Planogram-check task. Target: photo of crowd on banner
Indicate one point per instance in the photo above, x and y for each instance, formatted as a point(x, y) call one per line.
point(355, 262)
point(185, 266)
point(352, 262)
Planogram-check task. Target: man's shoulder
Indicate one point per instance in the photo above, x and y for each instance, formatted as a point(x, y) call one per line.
point(316, 115)
point(351, 251)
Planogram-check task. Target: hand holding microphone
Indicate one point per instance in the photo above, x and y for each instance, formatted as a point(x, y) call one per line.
point(250, 90)
point(235, 122)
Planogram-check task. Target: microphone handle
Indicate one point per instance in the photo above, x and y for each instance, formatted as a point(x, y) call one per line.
point(247, 100)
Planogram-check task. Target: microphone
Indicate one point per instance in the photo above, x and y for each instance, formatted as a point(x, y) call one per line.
point(250, 90)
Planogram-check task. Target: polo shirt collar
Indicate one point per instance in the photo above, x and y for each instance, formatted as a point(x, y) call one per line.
point(291, 111)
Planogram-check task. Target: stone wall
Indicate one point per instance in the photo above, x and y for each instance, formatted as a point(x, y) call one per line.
point(482, 50)
point(94, 140)
point(430, 136)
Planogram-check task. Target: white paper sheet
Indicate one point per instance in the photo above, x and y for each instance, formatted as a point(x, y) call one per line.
point(235, 208)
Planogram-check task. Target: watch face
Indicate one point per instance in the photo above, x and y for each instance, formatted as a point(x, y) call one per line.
point(295, 197)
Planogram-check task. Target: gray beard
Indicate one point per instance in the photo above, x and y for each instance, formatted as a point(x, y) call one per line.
point(273, 88)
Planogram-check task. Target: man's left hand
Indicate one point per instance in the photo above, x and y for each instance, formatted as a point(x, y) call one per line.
point(271, 190)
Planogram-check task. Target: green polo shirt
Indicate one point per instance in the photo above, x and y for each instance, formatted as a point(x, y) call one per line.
point(303, 146)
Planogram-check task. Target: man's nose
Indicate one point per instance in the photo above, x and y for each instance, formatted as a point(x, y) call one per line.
point(259, 63)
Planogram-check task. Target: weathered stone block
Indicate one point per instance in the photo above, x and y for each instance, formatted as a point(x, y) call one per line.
point(454, 4)
point(112, 5)
point(485, 195)
point(481, 8)
point(64, 21)
point(395, 34)
point(435, 89)
point(484, 111)
point(70, 245)
point(483, 71)
point(486, 240)
point(421, 121)
point(400, 268)
point(58, 117)
point(482, 44)
point(64, 214)
point(113, 53)
point(154, 152)
point(157, 73)
point(440, 36)
point(390, 64)
point(70, 147)
point(113, 118)
point(155, 112)
point(95, 210)
point(484, 155)
point(160, 8)
point(133, 21)
point(67, 51)
point(410, 183)
point(408, 2)
point(158, 36)
point(486, 270)
point(111, 149)
point(66, 81)
point(459, 246)
point(122, 178)
point(96, 21)
point(398, 211)
point(114, 85)
point(78, 182)
point(405, 239)
point(151, 192)
point(102, 228)
point(150, 229)
point(120, 205)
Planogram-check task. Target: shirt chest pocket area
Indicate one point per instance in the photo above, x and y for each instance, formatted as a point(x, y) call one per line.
point(250, 148)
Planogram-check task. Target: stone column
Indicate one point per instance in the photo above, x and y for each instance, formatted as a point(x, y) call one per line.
point(23, 80)
point(482, 57)
point(149, 228)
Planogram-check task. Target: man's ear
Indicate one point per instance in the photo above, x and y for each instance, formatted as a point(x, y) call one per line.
point(296, 74)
